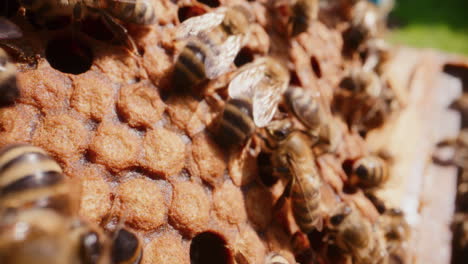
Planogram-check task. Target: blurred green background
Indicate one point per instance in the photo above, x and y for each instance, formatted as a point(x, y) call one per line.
point(439, 24)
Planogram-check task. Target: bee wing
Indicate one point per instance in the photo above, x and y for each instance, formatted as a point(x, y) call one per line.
point(225, 55)
point(9, 30)
point(242, 85)
point(195, 25)
point(265, 101)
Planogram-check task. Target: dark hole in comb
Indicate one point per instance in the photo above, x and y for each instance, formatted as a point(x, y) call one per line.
point(347, 166)
point(187, 12)
point(95, 28)
point(244, 56)
point(69, 55)
point(265, 169)
point(316, 67)
point(8, 7)
point(294, 80)
point(210, 3)
point(209, 247)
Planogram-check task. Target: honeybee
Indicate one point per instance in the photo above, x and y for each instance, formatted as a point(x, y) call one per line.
point(212, 43)
point(369, 171)
point(460, 144)
point(275, 258)
point(306, 107)
point(140, 12)
point(304, 12)
point(126, 248)
point(308, 110)
point(30, 178)
point(43, 236)
point(356, 236)
point(254, 96)
point(366, 23)
point(377, 52)
point(395, 228)
point(362, 100)
point(8, 88)
point(293, 155)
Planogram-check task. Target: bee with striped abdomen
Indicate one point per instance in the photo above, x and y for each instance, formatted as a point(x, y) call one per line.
point(8, 88)
point(369, 171)
point(212, 43)
point(275, 258)
point(30, 178)
point(356, 236)
point(293, 156)
point(304, 12)
point(33, 188)
point(141, 12)
point(254, 96)
point(307, 108)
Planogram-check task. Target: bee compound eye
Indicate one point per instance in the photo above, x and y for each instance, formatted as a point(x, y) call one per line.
point(90, 250)
point(362, 172)
point(125, 246)
point(337, 219)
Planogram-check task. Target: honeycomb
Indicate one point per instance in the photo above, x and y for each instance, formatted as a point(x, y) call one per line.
point(145, 157)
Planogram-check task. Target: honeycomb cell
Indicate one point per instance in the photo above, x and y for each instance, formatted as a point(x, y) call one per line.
point(93, 95)
point(167, 248)
point(164, 152)
point(158, 64)
point(62, 134)
point(115, 146)
point(17, 123)
point(190, 208)
point(182, 112)
point(259, 205)
point(208, 158)
point(95, 194)
point(140, 105)
point(52, 89)
point(142, 203)
point(229, 204)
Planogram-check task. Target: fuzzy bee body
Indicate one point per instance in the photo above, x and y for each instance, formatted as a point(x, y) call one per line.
point(366, 23)
point(371, 171)
point(305, 107)
point(131, 11)
point(356, 236)
point(30, 178)
point(8, 87)
point(362, 100)
point(212, 42)
point(236, 125)
point(293, 153)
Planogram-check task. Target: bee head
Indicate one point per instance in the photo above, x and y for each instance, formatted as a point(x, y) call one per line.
point(279, 130)
point(340, 216)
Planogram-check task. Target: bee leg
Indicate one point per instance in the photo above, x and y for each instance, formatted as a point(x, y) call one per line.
point(120, 32)
point(282, 199)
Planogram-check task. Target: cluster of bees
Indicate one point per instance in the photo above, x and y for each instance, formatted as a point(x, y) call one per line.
point(32, 185)
point(250, 113)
